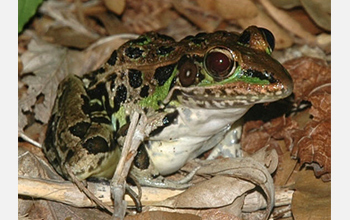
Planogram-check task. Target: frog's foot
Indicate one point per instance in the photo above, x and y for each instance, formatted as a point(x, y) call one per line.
point(146, 178)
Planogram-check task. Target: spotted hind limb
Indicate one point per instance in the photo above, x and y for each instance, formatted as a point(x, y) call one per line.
point(82, 187)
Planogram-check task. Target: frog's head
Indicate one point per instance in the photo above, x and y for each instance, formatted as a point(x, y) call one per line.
point(225, 69)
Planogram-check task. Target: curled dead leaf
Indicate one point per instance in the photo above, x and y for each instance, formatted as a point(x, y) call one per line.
point(319, 11)
point(313, 145)
point(228, 180)
point(308, 73)
point(257, 134)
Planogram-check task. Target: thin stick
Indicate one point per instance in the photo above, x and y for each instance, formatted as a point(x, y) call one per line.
point(133, 139)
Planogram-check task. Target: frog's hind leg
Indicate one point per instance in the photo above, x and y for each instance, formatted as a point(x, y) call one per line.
point(85, 190)
point(149, 178)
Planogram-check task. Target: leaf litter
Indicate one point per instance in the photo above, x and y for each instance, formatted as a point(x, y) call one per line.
point(302, 132)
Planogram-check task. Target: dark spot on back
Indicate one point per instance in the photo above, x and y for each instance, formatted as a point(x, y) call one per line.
point(140, 41)
point(98, 92)
point(165, 38)
point(100, 120)
point(79, 129)
point(123, 130)
point(133, 52)
point(70, 154)
point(113, 58)
point(121, 94)
point(144, 91)
point(50, 138)
point(163, 50)
point(163, 73)
point(141, 160)
point(96, 145)
point(135, 78)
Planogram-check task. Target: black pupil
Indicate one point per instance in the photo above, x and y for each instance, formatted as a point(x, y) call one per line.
point(218, 63)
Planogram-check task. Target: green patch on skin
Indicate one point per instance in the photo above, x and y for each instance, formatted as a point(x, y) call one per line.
point(119, 116)
point(159, 94)
point(268, 51)
point(147, 41)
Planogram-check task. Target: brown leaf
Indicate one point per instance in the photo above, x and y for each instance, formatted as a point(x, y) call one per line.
point(211, 193)
point(312, 198)
point(282, 37)
point(319, 11)
point(46, 65)
point(282, 18)
point(314, 146)
point(308, 73)
point(243, 9)
point(115, 6)
point(160, 215)
point(321, 104)
point(206, 20)
point(257, 134)
point(142, 16)
point(42, 59)
point(66, 26)
point(232, 179)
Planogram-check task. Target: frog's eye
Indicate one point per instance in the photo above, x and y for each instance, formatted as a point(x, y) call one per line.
point(269, 38)
point(219, 63)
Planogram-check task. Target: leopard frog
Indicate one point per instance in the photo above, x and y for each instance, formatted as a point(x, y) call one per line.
point(195, 89)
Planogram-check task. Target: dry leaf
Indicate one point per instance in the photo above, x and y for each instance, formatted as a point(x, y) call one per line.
point(42, 59)
point(142, 16)
point(301, 16)
point(206, 20)
point(282, 18)
point(286, 4)
point(117, 6)
point(232, 179)
point(308, 73)
point(319, 11)
point(46, 65)
point(64, 16)
point(312, 198)
point(257, 134)
point(161, 215)
point(313, 145)
point(282, 38)
point(242, 9)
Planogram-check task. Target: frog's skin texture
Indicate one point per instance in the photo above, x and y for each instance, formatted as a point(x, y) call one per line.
point(195, 89)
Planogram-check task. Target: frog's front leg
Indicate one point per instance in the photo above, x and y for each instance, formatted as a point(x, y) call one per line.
point(144, 170)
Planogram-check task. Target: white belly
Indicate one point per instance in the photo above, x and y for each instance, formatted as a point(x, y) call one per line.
point(192, 133)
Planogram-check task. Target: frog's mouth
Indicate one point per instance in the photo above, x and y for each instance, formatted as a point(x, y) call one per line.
point(230, 94)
